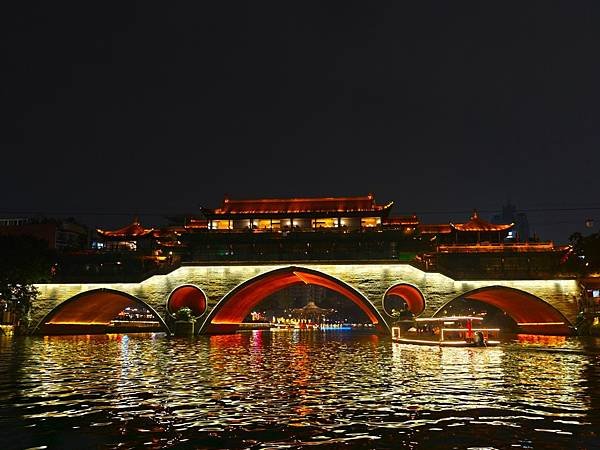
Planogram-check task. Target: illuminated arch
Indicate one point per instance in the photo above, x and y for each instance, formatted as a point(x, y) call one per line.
point(231, 310)
point(410, 294)
point(91, 311)
point(187, 296)
point(531, 314)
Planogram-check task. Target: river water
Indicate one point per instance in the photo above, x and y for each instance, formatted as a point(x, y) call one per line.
point(295, 389)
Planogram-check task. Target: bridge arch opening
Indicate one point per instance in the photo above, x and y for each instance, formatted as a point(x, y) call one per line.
point(526, 312)
point(234, 307)
point(187, 296)
point(403, 297)
point(101, 311)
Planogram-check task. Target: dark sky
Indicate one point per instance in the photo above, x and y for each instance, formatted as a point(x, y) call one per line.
point(442, 107)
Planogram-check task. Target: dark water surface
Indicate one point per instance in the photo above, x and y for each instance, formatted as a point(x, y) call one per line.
point(296, 390)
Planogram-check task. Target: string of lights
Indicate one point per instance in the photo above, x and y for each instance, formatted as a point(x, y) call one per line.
point(175, 213)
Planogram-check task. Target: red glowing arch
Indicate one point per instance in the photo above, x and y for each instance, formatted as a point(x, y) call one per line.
point(187, 296)
point(91, 312)
point(237, 304)
point(410, 294)
point(532, 314)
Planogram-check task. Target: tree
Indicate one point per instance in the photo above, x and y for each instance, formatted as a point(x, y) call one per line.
point(585, 256)
point(24, 261)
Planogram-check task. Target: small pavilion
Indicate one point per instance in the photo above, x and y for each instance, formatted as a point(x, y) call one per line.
point(311, 312)
point(130, 237)
point(475, 231)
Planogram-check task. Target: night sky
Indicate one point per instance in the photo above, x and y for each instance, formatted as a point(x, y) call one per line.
point(442, 107)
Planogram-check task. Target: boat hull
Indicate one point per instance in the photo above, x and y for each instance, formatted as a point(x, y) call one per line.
point(443, 343)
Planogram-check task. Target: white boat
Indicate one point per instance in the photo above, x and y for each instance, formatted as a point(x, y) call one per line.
point(455, 331)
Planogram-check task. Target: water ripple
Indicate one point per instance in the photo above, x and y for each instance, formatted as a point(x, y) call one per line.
point(294, 390)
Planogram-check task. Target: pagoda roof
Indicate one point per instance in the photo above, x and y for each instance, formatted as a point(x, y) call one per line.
point(476, 223)
point(310, 309)
point(133, 230)
point(443, 228)
point(301, 205)
point(196, 224)
point(401, 220)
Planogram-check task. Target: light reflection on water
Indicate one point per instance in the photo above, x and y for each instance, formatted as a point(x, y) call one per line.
point(261, 389)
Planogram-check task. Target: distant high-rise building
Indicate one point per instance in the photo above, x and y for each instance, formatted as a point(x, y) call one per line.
point(510, 215)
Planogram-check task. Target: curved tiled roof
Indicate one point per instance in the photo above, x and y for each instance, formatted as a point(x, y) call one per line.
point(478, 224)
point(300, 205)
point(133, 230)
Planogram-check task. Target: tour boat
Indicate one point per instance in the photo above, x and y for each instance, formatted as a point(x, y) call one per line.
point(456, 331)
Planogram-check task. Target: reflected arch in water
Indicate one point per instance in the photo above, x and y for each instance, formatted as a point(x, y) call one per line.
point(187, 296)
point(231, 310)
point(91, 312)
point(531, 314)
point(410, 295)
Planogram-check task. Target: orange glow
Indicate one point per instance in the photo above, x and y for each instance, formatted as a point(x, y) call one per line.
point(540, 339)
point(325, 223)
point(367, 222)
point(221, 224)
point(531, 313)
point(95, 308)
point(500, 247)
point(540, 323)
point(135, 229)
point(403, 221)
point(410, 294)
point(478, 224)
point(434, 229)
point(300, 205)
point(195, 224)
point(236, 305)
point(187, 296)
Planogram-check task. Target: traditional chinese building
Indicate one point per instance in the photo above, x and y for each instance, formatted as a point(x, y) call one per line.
point(298, 214)
point(131, 237)
point(475, 231)
point(407, 224)
point(477, 248)
point(135, 237)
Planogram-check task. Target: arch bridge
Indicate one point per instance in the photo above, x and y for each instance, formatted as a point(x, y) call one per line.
point(231, 292)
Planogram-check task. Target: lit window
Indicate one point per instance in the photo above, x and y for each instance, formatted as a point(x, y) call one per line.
point(369, 222)
point(325, 223)
point(220, 224)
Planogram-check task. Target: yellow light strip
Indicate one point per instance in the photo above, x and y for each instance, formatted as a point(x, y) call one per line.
point(301, 278)
point(448, 319)
point(440, 343)
point(77, 323)
point(408, 340)
point(135, 321)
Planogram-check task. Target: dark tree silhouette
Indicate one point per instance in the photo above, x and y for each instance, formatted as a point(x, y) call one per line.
point(24, 261)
